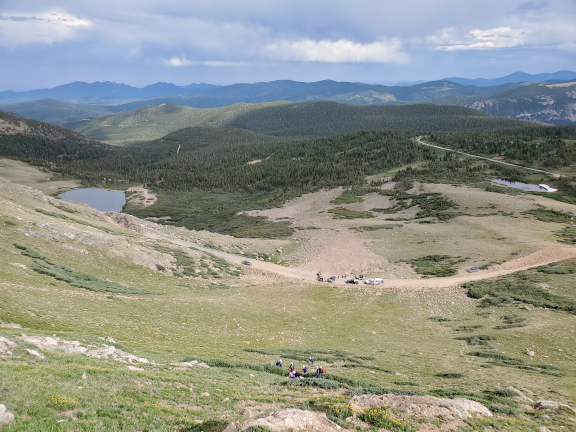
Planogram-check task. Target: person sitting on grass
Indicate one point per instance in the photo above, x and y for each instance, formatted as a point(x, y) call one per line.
point(320, 371)
point(305, 369)
point(279, 363)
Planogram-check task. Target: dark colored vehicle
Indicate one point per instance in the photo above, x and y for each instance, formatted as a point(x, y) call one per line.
point(352, 281)
point(331, 279)
point(246, 262)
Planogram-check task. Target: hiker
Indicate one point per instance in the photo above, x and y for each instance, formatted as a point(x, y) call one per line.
point(292, 367)
point(320, 371)
point(305, 369)
point(291, 376)
point(279, 363)
point(297, 374)
point(312, 360)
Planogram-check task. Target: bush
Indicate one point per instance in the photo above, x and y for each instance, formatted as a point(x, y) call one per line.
point(451, 375)
point(382, 418)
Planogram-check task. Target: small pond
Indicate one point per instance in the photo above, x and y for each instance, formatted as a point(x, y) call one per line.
point(100, 199)
point(525, 187)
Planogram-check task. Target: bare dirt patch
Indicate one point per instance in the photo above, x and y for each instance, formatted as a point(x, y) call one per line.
point(28, 175)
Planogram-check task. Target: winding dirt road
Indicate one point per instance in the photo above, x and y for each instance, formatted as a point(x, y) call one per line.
point(544, 256)
point(419, 141)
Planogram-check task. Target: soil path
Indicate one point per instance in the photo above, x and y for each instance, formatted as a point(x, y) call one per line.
point(544, 256)
point(419, 140)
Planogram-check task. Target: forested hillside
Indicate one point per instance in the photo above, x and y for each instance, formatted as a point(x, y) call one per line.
point(31, 139)
point(330, 118)
point(153, 122)
point(55, 112)
point(306, 119)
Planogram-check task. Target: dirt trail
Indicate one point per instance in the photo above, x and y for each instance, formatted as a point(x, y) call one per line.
point(544, 256)
point(419, 140)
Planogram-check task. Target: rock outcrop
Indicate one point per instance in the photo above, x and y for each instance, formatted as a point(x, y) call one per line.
point(289, 420)
point(6, 345)
point(6, 417)
point(546, 405)
point(54, 344)
point(126, 221)
point(422, 406)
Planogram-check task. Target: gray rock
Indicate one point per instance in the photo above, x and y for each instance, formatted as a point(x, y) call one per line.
point(290, 420)
point(422, 406)
point(191, 364)
point(6, 417)
point(543, 429)
point(546, 405)
point(35, 353)
point(520, 395)
point(6, 345)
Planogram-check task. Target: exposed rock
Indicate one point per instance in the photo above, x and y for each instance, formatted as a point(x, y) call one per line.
point(46, 343)
point(6, 417)
point(84, 376)
point(35, 353)
point(127, 221)
point(529, 352)
point(250, 413)
point(6, 345)
point(205, 394)
point(191, 364)
point(543, 429)
point(10, 325)
point(546, 405)
point(107, 339)
point(134, 368)
point(290, 420)
point(520, 396)
point(422, 406)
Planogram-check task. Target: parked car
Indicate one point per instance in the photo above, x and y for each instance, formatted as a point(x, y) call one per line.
point(331, 279)
point(472, 269)
point(246, 262)
point(352, 281)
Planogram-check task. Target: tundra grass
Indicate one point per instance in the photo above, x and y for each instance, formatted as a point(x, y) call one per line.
point(389, 331)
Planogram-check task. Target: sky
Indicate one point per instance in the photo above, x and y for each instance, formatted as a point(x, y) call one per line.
point(44, 43)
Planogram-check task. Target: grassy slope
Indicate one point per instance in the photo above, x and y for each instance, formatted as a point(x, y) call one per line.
point(153, 122)
point(193, 320)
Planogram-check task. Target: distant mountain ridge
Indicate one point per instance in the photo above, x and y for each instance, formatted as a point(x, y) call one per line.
point(516, 77)
point(99, 92)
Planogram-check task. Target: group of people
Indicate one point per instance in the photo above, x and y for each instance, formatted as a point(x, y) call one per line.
point(293, 373)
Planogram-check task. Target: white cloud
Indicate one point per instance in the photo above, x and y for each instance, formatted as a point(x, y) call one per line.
point(449, 39)
point(179, 61)
point(44, 27)
point(340, 51)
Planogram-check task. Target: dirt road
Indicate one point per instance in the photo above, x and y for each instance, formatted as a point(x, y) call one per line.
point(419, 140)
point(544, 256)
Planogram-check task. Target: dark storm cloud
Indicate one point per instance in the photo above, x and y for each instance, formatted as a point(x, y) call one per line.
point(140, 42)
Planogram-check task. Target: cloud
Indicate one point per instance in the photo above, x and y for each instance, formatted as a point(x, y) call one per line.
point(495, 38)
point(44, 27)
point(340, 51)
point(179, 61)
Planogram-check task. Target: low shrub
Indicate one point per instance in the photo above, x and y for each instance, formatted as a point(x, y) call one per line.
point(383, 418)
point(451, 375)
point(343, 213)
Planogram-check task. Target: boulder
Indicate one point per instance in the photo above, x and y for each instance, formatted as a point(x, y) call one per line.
point(546, 405)
point(191, 364)
point(6, 417)
point(10, 325)
point(422, 406)
point(35, 353)
point(290, 420)
point(520, 396)
point(6, 345)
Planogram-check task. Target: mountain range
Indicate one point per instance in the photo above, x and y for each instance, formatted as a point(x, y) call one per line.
point(515, 96)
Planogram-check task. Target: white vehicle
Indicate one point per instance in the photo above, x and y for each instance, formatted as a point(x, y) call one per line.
point(374, 281)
